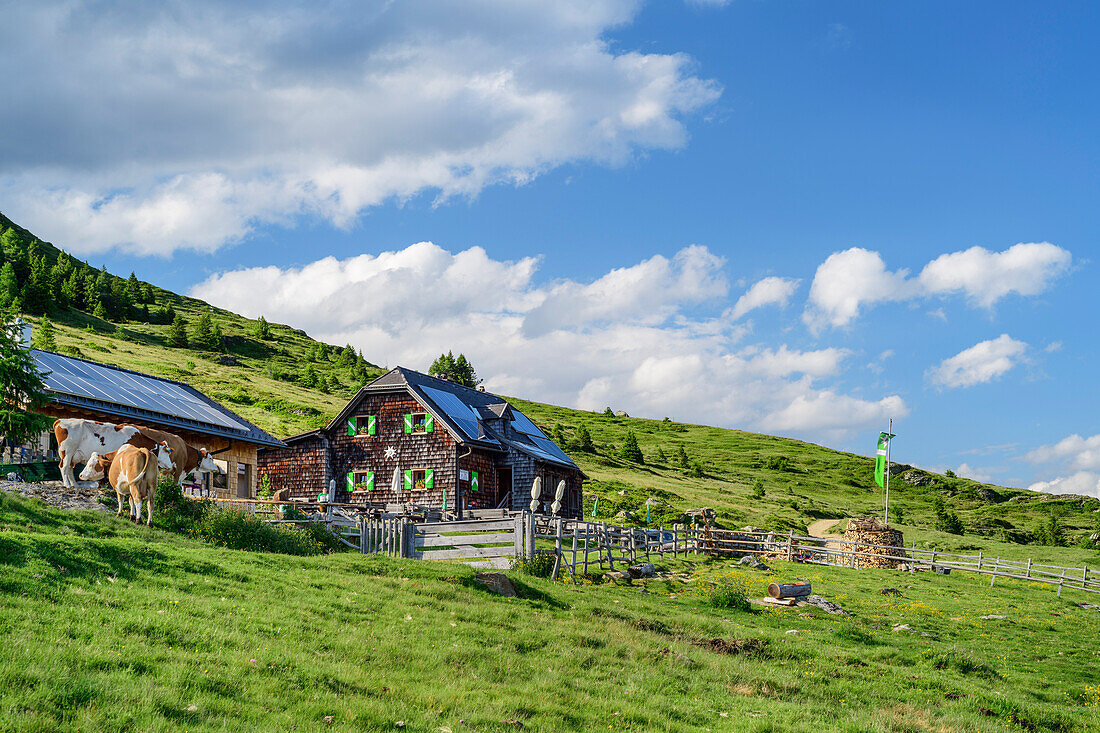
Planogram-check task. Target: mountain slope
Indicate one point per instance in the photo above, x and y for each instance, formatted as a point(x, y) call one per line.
point(274, 382)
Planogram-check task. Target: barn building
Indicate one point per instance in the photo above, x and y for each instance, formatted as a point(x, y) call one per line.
point(410, 437)
point(85, 389)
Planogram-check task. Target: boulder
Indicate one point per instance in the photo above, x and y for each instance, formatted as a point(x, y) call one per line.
point(750, 528)
point(642, 570)
point(651, 501)
point(824, 605)
point(497, 583)
point(989, 494)
point(916, 477)
point(621, 413)
point(896, 468)
point(625, 516)
point(227, 360)
point(753, 562)
point(1019, 497)
point(616, 575)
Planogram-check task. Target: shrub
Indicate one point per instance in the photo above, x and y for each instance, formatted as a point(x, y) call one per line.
point(584, 441)
point(696, 470)
point(239, 530)
point(777, 463)
point(727, 595)
point(949, 473)
point(758, 489)
point(1051, 532)
point(540, 566)
point(897, 514)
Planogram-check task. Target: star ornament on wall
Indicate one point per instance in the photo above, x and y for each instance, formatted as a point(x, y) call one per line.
point(391, 452)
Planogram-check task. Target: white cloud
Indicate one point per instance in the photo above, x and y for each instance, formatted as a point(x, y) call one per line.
point(985, 277)
point(1074, 450)
point(982, 362)
point(166, 126)
point(1083, 483)
point(1053, 347)
point(618, 342)
point(769, 291)
point(847, 280)
point(985, 475)
point(857, 277)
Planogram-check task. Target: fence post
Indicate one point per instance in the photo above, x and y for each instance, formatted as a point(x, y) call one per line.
point(557, 551)
point(573, 567)
point(586, 532)
point(790, 545)
point(979, 559)
point(607, 546)
point(1060, 582)
point(362, 535)
point(403, 548)
point(518, 530)
point(1029, 567)
point(530, 535)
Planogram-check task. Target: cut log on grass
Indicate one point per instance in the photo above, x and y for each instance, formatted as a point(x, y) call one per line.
point(789, 590)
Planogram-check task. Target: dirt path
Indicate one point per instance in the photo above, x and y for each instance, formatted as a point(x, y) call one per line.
point(823, 527)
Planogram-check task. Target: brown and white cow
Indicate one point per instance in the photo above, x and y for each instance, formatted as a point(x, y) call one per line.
point(132, 472)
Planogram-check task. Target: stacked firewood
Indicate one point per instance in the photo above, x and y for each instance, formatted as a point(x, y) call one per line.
point(866, 533)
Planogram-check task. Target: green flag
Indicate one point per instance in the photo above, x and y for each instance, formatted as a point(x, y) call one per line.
point(595, 507)
point(880, 458)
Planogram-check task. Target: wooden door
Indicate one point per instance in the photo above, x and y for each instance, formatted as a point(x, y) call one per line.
point(504, 485)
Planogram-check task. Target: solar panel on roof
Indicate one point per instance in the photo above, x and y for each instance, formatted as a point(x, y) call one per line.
point(456, 411)
point(81, 379)
point(550, 447)
point(524, 425)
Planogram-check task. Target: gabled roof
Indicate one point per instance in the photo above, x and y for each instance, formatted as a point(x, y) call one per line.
point(131, 395)
point(462, 411)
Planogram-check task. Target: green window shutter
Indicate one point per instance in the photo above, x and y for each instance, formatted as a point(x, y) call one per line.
point(408, 423)
point(473, 481)
point(408, 480)
point(351, 426)
point(429, 479)
point(429, 423)
point(351, 481)
point(372, 424)
point(370, 480)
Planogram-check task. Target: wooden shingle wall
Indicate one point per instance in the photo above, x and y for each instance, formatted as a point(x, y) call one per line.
point(299, 467)
point(418, 451)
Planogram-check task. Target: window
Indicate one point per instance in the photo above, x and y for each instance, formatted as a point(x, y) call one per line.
point(419, 422)
point(419, 480)
point(360, 481)
point(363, 425)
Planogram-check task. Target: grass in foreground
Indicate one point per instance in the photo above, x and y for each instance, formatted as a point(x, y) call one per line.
point(105, 626)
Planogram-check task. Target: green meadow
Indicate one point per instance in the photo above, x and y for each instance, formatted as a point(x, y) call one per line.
point(105, 626)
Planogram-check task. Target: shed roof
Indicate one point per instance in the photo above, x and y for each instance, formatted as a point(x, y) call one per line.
point(118, 392)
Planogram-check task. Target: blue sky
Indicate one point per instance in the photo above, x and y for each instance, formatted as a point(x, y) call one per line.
point(601, 184)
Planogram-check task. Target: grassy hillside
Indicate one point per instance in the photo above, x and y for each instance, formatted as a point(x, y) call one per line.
point(105, 626)
point(267, 380)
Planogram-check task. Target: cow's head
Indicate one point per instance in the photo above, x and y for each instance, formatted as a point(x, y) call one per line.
point(206, 463)
point(97, 467)
point(164, 456)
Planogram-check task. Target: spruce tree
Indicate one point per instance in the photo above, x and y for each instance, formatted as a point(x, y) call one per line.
point(203, 335)
point(177, 334)
point(630, 450)
point(682, 458)
point(9, 285)
point(584, 440)
point(659, 455)
point(133, 289)
point(44, 336)
point(21, 385)
point(100, 310)
point(262, 329)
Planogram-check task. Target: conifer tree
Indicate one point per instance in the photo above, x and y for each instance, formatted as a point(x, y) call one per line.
point(584, 440)
point(9, 285)
point(262, 329)
point(21, 385)
point(177, 334)
point(682, 458)
point(100, 310)
point(659, 455)
point(133, 289)
point(44, 335)
point(203, 336)
point(630, 450)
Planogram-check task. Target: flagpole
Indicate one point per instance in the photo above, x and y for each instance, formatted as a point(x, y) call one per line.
point(889, 441)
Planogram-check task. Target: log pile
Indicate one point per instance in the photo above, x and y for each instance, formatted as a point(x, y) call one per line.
point(865, 533)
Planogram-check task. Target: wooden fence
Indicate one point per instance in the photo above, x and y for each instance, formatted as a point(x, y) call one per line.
point(496, 535)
